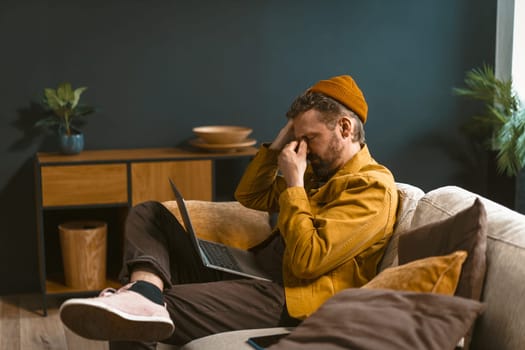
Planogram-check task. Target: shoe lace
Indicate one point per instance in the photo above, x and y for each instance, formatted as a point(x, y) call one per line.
point(111, 291)
point(107, 292)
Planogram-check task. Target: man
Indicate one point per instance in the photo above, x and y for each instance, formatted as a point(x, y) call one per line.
point(336, 210)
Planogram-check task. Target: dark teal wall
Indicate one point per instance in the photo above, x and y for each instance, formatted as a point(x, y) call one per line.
point(157, 68)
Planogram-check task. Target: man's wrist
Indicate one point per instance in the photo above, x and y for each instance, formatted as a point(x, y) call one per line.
point(295, 182)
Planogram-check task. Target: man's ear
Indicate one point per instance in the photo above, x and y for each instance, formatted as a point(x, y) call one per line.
point(346, 126)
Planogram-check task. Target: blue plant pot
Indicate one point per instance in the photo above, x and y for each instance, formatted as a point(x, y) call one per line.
point(71, 144)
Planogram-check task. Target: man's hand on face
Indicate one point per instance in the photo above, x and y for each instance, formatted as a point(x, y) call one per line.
point(292, 162)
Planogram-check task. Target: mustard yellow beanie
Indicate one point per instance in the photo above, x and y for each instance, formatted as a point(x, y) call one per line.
point(344, 90)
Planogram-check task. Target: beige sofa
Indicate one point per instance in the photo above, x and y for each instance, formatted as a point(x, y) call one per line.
point(501, 326)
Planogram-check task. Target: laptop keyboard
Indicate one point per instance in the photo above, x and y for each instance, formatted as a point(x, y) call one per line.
point(219, 255)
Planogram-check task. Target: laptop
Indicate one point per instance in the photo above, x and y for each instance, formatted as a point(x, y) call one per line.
point(216, 255)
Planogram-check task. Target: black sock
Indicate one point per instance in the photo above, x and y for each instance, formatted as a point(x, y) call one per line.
point(149, 291)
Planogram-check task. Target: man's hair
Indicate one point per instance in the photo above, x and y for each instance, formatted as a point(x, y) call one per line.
point(330, 110)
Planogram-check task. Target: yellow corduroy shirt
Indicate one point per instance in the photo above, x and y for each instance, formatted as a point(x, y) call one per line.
point(335, 233)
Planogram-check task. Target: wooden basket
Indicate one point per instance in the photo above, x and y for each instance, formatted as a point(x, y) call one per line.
point(84, 245)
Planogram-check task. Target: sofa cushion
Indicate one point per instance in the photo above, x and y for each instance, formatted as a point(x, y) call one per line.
point(236, 340)
point(227, 222)
point(436, 274)
point(409, 196)
point(466, 230)
point(360, 318)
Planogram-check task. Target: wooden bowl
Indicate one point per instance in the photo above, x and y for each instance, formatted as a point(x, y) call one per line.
point(222, 134)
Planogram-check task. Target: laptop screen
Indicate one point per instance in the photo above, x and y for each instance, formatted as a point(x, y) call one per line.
point(186, 219)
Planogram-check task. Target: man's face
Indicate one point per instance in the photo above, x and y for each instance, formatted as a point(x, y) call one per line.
point(324, 145)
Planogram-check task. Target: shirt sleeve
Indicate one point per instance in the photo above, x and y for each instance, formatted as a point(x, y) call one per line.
point(261, 185)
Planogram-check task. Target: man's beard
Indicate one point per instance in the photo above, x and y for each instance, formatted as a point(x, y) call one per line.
point(324, 168)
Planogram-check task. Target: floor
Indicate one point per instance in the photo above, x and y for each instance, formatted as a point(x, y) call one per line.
point(22, 326)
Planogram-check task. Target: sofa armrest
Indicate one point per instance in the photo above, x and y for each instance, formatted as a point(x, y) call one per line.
point(227, 222)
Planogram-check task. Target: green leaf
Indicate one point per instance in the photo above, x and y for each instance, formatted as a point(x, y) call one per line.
point(498, 116)
point(52, 100)
point(510, 144)
point(76, 96)
point(47, 122)
point(65, 92)
point(481, 84)
point(82, 110)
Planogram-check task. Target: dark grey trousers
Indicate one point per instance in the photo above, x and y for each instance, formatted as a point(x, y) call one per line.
point(200, 301)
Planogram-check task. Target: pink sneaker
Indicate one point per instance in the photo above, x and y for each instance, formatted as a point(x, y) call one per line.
point(117, 315)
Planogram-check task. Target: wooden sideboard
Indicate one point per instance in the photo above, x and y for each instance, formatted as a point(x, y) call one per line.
point(103, 185)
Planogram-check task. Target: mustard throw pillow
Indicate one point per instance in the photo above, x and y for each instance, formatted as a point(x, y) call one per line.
point(437, 274)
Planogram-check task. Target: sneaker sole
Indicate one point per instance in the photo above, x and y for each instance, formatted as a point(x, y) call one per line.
point(100, 322)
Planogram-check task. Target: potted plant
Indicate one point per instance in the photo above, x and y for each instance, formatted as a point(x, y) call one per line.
point(62, 111)
point(502, 126)
point(500, 129)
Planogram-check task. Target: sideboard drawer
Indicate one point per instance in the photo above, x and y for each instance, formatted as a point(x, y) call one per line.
point(84, 184)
